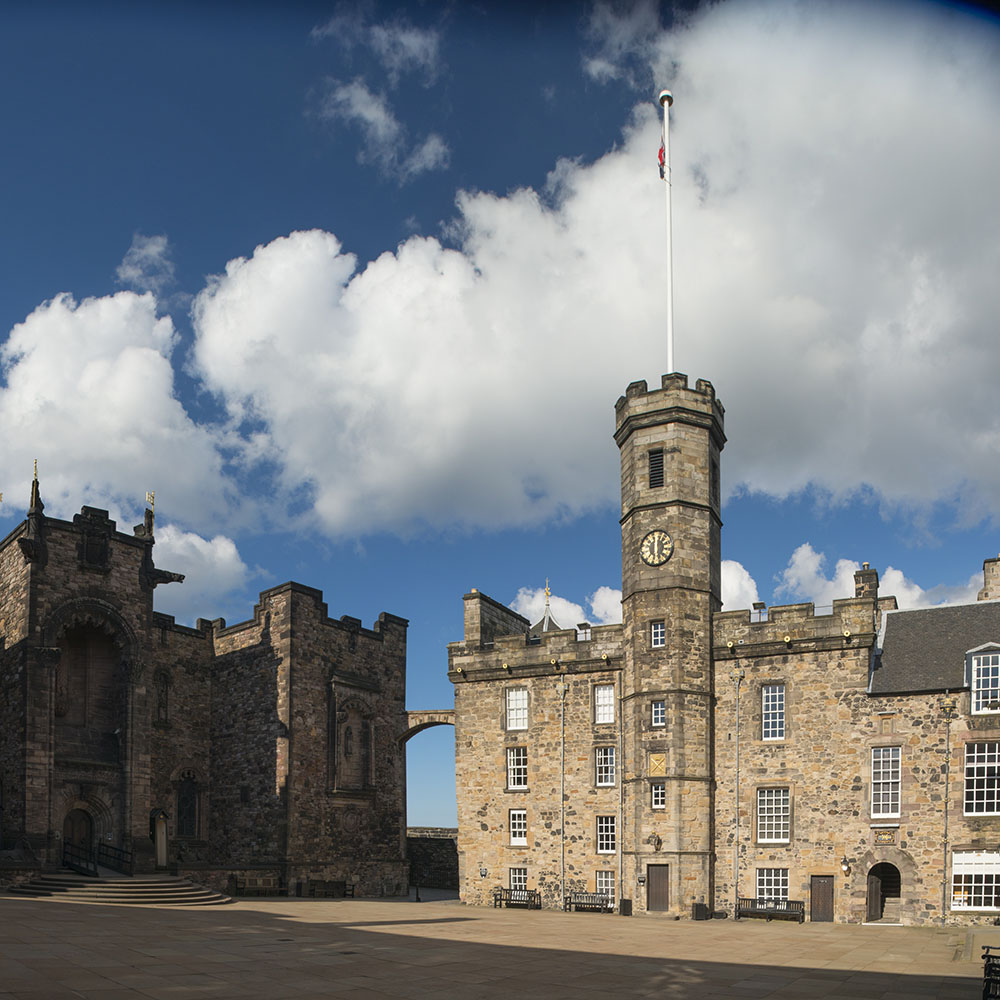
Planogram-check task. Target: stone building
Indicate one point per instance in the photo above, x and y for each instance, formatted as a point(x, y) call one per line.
point(273, 747)
point(847, 759)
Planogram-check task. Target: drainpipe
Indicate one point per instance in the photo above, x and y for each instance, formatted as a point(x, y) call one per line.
point(948, 710)
point(620, 827)
point(561, 687)
point(738, 675)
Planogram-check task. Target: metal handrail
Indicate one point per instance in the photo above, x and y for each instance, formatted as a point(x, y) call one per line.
point(79, 859)
point(115, 858)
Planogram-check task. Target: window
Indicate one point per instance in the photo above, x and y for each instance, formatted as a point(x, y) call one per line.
point(519, 827)
point(772, 883)
point(517, 767)
point(975, 880)
point(659, 796)
point(605, 765)
point(604, 882)
point(519, 878)
point(885, 781)
point(657, 634)
point(604, 703)
point(655, 468)
point(659, 713)
point(982, 778)
point(985, 683)
point(606, 835)
point(773, 815)
point(517, 708)
point(772, 710)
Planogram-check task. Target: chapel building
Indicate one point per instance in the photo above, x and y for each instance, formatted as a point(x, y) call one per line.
point(272, 748)
point(844, 758)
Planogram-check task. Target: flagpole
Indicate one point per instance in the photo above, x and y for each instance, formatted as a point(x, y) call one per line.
point(666, 99)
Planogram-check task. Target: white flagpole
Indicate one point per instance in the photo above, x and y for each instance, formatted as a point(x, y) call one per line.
point(666, 99)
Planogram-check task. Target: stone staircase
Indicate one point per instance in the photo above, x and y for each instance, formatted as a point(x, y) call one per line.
point(158, 890)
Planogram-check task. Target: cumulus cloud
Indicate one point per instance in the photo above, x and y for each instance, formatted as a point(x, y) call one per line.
point(214, 573)
point(605, 607)
point(386, 143)
point(88, 390)
point(739, 589)
point(147, 265)
point(804, 579)
point(834, 277)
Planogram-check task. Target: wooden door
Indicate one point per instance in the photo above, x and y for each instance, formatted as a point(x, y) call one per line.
point(821, 898)
point(874, 896)
point(78, 829)
point(657, 887)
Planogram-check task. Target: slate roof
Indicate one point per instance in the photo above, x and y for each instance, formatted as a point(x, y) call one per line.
point(925, 650)
point(547, 624)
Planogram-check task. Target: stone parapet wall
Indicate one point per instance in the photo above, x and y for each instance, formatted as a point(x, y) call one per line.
point(433, 855)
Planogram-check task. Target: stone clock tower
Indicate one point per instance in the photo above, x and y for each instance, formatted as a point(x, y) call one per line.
point(670, 440)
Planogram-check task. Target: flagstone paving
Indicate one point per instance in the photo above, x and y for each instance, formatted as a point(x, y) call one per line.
point(305, 949)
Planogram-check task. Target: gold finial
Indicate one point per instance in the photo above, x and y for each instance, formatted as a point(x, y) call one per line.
point(151, 498)
point(36, 468)
point(547, 591)
point(1, 498)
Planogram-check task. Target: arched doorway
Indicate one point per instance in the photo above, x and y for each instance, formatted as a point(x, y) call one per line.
point(78, 830)
point(884, 883)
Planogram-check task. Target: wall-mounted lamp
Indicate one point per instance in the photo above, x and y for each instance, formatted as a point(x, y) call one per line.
point(787, 639)
point(483, 872)
point(506, 666)
point(845, 865)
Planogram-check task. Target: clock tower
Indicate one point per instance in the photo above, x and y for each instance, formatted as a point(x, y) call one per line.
point(670, 440)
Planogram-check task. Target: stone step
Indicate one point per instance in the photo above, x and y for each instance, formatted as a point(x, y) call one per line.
point(149, 891)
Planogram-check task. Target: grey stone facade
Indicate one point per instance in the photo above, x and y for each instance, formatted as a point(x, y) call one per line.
point(845, 759)
point(274, 746)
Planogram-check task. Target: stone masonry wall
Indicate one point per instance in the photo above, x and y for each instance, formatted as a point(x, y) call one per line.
point(433, 856)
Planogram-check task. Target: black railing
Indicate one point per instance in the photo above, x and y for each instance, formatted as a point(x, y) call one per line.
point(115, 858)
point(78, 859)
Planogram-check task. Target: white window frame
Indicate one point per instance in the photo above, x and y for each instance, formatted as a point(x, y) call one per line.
point(772, 884)
point(658, 714)
point(607, 835)
point(517, 878)
point(986, 683)
point(604, 766)
point(517, 767)
point(975, 880)
point(886, 774)
point(658, 634)
point(774, 815)
point(604, 882)
point(517, 708)
point(604, 703)
point(982, 778)
point(772, 712)
point(517, 824)
point(658, 795)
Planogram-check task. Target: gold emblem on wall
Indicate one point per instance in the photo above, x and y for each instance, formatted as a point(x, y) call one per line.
point(885, 836)
point(658, 765)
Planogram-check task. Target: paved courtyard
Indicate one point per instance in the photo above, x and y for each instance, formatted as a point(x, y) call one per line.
point(301, 949)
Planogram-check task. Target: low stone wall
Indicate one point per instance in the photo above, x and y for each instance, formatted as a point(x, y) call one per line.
point(374, 879)
point(433, 854)
point(14, 874)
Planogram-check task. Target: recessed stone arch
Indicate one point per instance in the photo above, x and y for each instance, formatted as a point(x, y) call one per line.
point(91, 612)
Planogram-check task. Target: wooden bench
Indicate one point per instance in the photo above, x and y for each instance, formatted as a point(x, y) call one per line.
point(329, 889)
point(530, 899)
point(258, 885)
point(784, 909)
point(589, 901)
point(991, 971)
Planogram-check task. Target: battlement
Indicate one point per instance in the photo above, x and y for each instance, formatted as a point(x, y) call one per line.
point(673, 401)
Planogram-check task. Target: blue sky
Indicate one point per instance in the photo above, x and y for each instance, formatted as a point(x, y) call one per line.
point(354, 288)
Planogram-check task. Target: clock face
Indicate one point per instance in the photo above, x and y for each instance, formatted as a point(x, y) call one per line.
point(656, 548)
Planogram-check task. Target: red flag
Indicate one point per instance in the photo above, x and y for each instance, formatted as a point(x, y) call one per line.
point(662, 159)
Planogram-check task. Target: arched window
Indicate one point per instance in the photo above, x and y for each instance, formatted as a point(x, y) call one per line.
point(187, 805)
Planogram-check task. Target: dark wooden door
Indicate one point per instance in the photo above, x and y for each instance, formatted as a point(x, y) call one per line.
point(78, 829)
point(657, 887)
point(874, 896)
point(821, 898)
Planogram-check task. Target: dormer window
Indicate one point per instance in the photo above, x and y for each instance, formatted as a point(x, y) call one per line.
point(986, 683)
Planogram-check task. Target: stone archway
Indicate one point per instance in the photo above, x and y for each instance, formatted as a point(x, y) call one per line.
point(78, 830)
point(884, 884)
point(417, 722)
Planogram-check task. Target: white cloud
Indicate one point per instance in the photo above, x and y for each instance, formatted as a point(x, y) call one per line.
point(147, 266)
point(739, 589)
point(804, 580)
point(605, 607)
point(88, 390)
point(213, 574)
point(386, 143)
point(834, 277)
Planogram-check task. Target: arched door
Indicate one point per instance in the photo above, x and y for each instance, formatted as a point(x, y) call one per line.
point(78, 830)
point(884, 883)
